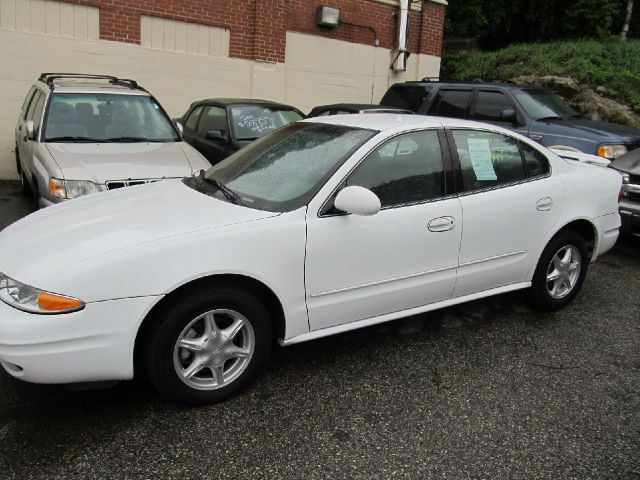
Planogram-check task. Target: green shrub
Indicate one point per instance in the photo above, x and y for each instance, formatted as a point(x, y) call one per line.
point(611, 63)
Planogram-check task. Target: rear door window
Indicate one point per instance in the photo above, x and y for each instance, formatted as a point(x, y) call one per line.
point(403, 96)
point(451, 103)
point(490, 105)
point(488, 159)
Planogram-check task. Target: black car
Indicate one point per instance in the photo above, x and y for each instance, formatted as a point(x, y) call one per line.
point(348, 108)
point(217, 127)
point(629, 167)
point(531, 111)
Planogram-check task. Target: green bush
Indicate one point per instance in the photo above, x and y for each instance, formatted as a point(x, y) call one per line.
point(611, 63)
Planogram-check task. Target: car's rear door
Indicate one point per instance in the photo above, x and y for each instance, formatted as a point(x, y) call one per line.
point(404, 256)
point(451, 102)
point(510, 201)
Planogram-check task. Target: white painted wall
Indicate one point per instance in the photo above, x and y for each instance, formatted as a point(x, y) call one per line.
point(316, 71)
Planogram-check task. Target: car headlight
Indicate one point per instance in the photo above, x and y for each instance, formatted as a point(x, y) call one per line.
point(72, 188)
point(33, 300)
point(612, 151)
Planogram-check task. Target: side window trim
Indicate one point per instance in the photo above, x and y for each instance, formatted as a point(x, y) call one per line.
point(27, 102)
point(325, 210)
point(457, 168)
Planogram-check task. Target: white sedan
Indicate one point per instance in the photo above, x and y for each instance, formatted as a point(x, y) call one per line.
point(322, 226)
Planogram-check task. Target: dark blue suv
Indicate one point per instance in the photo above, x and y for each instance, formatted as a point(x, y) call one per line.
point(531, 111)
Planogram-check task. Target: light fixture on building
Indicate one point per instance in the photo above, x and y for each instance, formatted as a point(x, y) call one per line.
point(327, 16)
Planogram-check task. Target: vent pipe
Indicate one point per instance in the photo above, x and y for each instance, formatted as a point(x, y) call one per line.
point(400, 63)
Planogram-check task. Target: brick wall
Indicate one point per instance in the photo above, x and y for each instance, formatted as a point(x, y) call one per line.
point(258, 27)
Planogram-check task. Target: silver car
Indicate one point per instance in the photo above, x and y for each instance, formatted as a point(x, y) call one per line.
point(80, 134)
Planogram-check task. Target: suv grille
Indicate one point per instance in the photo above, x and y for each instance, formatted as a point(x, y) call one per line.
point(113, 184)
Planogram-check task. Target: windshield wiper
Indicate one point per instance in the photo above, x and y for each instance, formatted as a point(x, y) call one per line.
point(227, 192)
point(129, 140)
point(71, 138)
point(548, 119)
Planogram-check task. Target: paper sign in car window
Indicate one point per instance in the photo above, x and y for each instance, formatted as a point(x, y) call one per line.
point(480, 155)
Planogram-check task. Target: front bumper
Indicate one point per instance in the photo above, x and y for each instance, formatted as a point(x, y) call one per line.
point(94, 344)
point(630, 215)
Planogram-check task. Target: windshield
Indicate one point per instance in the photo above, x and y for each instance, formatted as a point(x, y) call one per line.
point(283, 170)
point(543, 104)
point(104, 117)
point(254, 121)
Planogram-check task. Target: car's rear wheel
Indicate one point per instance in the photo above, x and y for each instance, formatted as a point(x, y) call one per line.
point(208, 345)
point(560, 272)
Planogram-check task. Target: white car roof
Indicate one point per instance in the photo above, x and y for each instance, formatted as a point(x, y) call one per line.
point(386, 121)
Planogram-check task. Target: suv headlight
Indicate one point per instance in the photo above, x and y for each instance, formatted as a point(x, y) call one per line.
point(33, 300)
point(72, 188)
point(612, 151)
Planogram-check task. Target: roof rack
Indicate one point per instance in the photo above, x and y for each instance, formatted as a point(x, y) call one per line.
point(437, 79)
point(49, 78)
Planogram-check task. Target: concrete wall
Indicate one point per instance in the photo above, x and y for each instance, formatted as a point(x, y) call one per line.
point(317, 70)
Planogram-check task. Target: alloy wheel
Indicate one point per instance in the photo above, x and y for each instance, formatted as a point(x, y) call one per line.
point(214, 349)
point(563, 272)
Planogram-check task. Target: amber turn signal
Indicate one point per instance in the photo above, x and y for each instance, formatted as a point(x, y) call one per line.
point(48, 302)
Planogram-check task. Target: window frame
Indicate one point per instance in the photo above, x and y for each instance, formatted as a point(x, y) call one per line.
point(327, 209)
point(27, 102)
point(457, 169)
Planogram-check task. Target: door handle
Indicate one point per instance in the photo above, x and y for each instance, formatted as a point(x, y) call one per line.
point(536, 137)
point(544, 204)
point(441, 224)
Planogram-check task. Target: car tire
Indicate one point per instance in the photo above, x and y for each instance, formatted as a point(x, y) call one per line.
point(25, 187)
point(560, 272)
point(35, 193)
point(207, 346)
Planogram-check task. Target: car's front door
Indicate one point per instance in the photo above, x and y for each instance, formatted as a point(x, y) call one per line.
point(404, 256)
point(510, 203)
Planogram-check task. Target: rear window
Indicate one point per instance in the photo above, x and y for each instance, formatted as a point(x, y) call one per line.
point(410, 97)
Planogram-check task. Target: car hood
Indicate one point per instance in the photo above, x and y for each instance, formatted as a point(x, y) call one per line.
point(101, 162)
point(59, 236)
point(601, 132)
point(628, 163)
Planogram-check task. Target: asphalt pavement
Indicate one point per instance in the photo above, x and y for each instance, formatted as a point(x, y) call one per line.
point(487, 390)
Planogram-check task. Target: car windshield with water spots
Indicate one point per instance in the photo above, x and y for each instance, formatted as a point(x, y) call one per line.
point(282, 171)
point(102, 118)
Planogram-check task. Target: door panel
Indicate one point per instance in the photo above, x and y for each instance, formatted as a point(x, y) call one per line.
point(361, 267)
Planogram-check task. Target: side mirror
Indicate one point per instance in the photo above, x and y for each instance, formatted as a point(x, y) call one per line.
point(508, 115)
point(179, 126)
point(216, 135)
point(29, 129)
point(357, 200)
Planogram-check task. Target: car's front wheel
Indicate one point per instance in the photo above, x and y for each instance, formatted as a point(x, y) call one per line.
point(560, 272)
point(208, 345)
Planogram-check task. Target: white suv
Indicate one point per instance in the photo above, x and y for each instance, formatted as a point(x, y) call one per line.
point(79, 134)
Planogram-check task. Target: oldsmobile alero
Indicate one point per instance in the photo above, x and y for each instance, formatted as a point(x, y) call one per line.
point(323, 226)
